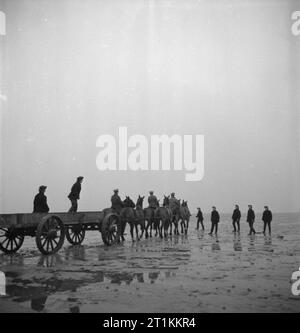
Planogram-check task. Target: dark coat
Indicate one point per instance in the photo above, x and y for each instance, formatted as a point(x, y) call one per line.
point(199, 215)
point(116, 203)
point(40, 204)
point(153, 202)
point(215, 217)
point(267, 216)
point(250, 215)
point(75, 191)
point(236, 216)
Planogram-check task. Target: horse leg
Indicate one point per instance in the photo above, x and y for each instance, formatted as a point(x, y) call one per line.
point(176, 227)
point(123, 227)
point(131, 231)
point(170, 228)
point(166, 227)
point(142, 224)
point(181, 224)
point(137, 232)
point(160, 227)
point(156, 227)
point(146, 228)
point(187, 226)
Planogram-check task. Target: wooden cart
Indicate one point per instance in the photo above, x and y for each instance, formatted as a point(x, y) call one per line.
point(50, 229)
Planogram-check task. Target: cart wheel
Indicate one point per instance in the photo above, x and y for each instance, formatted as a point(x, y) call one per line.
point(50, 235)
point(10, 240)
point(110, 229)
point(75, 234)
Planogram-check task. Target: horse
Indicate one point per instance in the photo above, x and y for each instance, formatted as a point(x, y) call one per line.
point(127, 215)
point(175, 209)
point(184, 214)
point(163, 217)
point(151, 222)
point(133, 217)
point(139, 214)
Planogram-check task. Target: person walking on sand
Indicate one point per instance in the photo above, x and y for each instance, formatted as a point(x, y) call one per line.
point(215, 219)
point(40, 201)
point(236, 216)
point(199, 218)
point(74, 195)
point(251, 219)
point(267, 219)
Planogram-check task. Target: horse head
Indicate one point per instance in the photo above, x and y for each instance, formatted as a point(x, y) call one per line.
point(128, 202)
point(166, 200)
point(140, 201)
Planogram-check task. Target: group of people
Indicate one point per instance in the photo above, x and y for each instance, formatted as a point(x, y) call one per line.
point(41, 206)
point(236, 217)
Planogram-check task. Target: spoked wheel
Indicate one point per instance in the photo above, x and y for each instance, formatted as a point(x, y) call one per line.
point(110, 229)
point(75, 234)
point(10, 240)
point(50, 235)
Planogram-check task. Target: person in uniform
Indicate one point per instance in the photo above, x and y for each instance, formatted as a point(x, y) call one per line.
point(173, 202)
point(199, 218)
point(215, 219)
point(152, 200)
point(267, 219)
point(116, 202)
point(40, 201)
point(236, 216)
point(251, 219)
point(74, 195)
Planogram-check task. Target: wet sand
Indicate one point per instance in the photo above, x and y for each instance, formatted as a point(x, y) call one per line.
point(192, 273)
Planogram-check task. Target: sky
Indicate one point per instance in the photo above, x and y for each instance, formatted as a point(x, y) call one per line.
point(73, 70)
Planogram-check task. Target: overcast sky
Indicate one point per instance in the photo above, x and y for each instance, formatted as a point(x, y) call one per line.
point(72, 70)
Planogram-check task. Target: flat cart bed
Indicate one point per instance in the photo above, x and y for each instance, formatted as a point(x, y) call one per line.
point(50, 229)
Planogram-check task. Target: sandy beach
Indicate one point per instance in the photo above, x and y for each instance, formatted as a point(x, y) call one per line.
point(192, 273)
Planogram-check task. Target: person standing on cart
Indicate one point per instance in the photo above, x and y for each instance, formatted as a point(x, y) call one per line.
point(74, 195)
point(40, 201)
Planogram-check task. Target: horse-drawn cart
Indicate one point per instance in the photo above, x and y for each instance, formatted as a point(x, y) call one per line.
point(51, 229)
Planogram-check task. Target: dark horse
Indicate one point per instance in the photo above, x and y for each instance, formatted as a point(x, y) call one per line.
point(150, 221)
point(129, 215)
point(139, 214)
point(163, 216)
point(184, 216)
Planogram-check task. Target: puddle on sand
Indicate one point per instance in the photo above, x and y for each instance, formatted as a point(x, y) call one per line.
point(36, 281)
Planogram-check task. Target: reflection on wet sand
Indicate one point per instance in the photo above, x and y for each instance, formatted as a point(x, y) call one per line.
point(95, 277)
point(251, 246)
point(38, 303)
point(215, 245)
point(76, 252)
point(50, 260)
point(237, 244)
point(268, 244)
